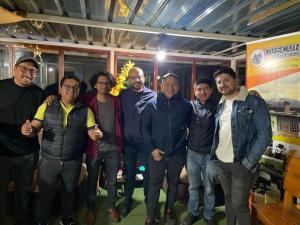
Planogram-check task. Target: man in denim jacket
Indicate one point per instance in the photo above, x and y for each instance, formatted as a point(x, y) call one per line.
point(242, 134)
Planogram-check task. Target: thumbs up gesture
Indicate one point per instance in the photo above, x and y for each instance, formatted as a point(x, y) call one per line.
point(95, 133)
point(26, 128)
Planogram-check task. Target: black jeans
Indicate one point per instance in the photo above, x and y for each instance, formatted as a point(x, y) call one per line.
point(112, 162)
point(131, 153)
point(236, 181)
point(51, 173)
point(20, 169)
point(173, 165)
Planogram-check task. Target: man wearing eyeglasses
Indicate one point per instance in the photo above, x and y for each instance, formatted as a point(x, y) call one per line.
point(107, 150)
point(66, 123)
point(19, 100)
point(133, 101)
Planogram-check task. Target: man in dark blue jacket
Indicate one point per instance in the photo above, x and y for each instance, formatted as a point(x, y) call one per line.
point(133, 102)
point(201, 133)
point(164, 130)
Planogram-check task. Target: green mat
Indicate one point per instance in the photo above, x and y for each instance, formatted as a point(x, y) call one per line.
point(137, 215)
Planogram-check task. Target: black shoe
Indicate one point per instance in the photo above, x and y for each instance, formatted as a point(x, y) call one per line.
point(150, 221)
point(171, 219)
point(210, 222)
point(189, 219)
point(67, 221)
point(125, 208)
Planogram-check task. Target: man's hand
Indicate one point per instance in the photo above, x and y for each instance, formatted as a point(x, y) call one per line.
point(49, 99)
point(95, 133)
point(254, 92)
point(157, 154)
point(26, 128)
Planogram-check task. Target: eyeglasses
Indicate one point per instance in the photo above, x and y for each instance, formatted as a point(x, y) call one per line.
point(25, 69)
point(69, 88)
point(103, 83)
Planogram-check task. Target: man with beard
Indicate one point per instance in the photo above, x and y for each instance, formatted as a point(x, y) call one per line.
point(133, 101)
point(19, 100)
point(107, 111)
point(242, 134)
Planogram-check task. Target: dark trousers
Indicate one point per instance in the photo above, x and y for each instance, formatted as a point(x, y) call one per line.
point(111, 159)
point(51, 174)
point(173, 165)
point(236, 182)
point(131, 152)
point(20, 169)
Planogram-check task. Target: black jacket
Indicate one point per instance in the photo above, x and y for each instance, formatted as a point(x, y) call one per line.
point(62, 143)
point(202, 126)
point(165, 122)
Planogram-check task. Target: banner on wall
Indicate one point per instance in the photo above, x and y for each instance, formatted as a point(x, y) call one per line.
point(273, 69)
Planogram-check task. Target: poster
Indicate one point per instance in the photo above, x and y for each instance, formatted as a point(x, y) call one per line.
point(273, 69)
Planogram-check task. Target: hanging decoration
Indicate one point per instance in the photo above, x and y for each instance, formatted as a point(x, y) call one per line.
point(122, 77)
point(37, 54)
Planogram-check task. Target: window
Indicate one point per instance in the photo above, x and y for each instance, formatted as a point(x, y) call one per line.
point(184, 72)
point(4, 63)
point(147, 65)
point(84, 65)
point(48, 63)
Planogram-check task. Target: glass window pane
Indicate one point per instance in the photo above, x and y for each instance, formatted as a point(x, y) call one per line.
point(48, 63)
point(4, 63)
point(84, 65)
point(184, 72)
point(206, 70)
point(147, 65)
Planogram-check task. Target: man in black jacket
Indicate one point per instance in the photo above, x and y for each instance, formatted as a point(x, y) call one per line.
point(66, 123)
point(19, 100)
point(164, 129)
point(201, 132)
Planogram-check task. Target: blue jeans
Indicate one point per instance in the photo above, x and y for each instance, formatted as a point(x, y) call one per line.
point(130, 154)
point(197, 165)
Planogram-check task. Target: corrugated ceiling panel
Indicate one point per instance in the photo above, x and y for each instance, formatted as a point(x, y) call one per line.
point(73, 8)
point(99, 9)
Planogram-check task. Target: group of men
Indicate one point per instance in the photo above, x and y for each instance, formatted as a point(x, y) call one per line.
point(221, 140)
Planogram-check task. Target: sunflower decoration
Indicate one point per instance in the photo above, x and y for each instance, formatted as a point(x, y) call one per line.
point(122, 77)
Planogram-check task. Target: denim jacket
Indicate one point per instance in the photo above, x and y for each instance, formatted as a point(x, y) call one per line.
point(250, 127)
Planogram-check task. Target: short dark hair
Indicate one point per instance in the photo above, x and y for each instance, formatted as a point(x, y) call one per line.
point(226, 70)
point(103, 73)
point(203, 80)
point(69, 76)
point(170, 75)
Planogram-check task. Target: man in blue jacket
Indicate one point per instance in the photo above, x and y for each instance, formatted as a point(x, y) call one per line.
point(201, 133)
point(133, 102)
point(242, 134)
point(164, 130)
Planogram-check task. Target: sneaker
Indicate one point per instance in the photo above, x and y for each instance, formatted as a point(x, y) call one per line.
point(210, 221)
point(150, 221)
point(67, 221)
point(125, 208)
point(171, 219)
point(189, 219)
point(113, 215)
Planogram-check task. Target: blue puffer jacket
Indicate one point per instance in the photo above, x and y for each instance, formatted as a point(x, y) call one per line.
point(165, 122)
point(250, 127)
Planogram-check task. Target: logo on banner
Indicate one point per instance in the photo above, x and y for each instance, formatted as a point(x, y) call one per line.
point(256, 57)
